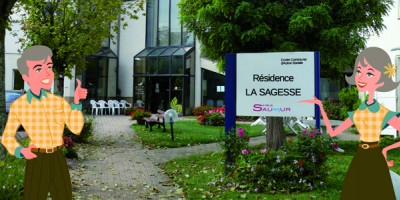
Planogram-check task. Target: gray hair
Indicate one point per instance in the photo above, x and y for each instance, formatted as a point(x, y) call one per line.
point(38, 52)
point(377, 58)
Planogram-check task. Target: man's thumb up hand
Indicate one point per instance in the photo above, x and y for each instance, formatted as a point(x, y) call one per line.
point(80, 93)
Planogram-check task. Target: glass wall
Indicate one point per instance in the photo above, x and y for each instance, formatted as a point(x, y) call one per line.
point(101, 76)
point(165, 68)
point(213, 88)
point(140, 89)
point(163, 25)
point(176, 28)
point(329, 89)
point(170, 74)
point(151, 24)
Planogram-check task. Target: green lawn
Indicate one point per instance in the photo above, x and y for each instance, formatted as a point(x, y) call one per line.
point(188, 132)
point(197, 175)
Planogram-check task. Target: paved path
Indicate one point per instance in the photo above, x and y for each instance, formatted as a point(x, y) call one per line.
point(118, 167)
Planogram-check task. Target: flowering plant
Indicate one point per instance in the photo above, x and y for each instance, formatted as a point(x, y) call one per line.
point(129, 111)
point(68, 142)
point(67, 149)
point(235, 144)
point(297, 167)
point(139, 114)
point(214, 117)
point(201, 110)
point(332, 108)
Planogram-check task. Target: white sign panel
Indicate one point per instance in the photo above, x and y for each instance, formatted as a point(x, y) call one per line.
point(272, 84)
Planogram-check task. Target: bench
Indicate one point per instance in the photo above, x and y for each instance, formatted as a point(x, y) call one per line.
point(149, 121)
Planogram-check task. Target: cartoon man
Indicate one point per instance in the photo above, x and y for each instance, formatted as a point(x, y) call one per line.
point(43, 116)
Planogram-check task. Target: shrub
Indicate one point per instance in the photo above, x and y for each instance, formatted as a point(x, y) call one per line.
point(201, 110)
point(86, 134)
point(68, 149)
point(12, 173)
point(129, 111)
point(214, 117)
point(332, 108)
point(298, 167)
point(139, 114)
point(349, 101)
point(387, 140)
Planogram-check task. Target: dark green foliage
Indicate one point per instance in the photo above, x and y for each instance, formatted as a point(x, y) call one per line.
point(349, 101)
point(332, 108)
point(338, 29)
point(388, 140)
point(73, 29)
point(86, 133)
point(129, 111)
point(12, 173)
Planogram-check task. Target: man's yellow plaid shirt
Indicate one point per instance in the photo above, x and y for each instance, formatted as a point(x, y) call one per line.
point(43, 120)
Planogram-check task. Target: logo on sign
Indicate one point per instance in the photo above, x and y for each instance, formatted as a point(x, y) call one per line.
point(269, 108)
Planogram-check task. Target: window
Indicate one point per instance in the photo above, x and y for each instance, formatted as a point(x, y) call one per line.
point(163, 25)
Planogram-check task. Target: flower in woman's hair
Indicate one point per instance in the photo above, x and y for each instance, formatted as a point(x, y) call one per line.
point(240, 132)
point(390, 70)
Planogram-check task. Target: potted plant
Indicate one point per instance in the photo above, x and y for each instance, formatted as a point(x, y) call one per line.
point(139, 114)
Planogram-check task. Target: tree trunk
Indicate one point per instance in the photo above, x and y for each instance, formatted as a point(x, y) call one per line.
point(275, 133)
point(5, 10)
point(2, 77)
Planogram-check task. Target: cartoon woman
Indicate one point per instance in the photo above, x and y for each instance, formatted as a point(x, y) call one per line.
point(368, 176)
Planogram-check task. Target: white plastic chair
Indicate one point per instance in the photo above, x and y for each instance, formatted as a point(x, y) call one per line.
point(102, 105)
point(117, 106)
point(139, 104)
point(293, 122)
point(112, 106)
point(124, 104)
point(262, 121)
point(95, 107)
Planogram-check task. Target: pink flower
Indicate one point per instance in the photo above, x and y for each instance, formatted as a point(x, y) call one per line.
point(245, 151)
point(312, 135)
point(335, 146)
point(241, 132)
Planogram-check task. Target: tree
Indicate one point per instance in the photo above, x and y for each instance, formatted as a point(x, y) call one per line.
point(337, 29)
point(5, 12)
point(74, 29)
